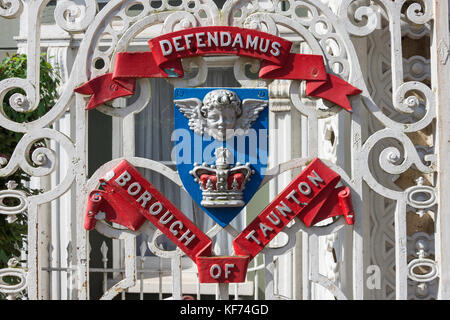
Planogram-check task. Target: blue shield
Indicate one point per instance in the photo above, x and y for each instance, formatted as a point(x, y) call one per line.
point(221, 146)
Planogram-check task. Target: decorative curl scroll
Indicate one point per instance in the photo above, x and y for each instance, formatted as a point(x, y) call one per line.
point(389, 160)
point(359, 14)
point(42, 161)
point(73, 17)
point(10, 9)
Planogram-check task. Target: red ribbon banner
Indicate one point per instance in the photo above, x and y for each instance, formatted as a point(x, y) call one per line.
point(128, 199)
point(166, 51)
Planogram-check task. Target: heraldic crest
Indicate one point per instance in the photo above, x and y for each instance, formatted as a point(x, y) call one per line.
point(231, 127)
point(221, 149)
point(221, 115)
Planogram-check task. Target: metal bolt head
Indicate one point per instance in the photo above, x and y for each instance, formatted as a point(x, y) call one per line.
point(11, 185)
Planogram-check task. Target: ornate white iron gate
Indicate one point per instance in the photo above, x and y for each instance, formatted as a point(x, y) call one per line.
point(391, 150)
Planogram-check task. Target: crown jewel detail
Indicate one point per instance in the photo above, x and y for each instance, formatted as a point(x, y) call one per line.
point(221, 184)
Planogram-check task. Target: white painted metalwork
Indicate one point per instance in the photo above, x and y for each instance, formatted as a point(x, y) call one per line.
point(391, 150)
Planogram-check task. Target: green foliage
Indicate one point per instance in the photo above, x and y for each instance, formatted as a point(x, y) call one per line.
point(12, 235)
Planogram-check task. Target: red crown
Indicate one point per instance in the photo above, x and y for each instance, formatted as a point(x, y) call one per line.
point(221, 185)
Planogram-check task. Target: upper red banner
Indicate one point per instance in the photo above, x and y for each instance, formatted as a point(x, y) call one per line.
point(166, 51)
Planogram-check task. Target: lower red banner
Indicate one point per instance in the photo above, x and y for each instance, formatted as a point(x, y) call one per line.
point(228, 269)
point(128, 199)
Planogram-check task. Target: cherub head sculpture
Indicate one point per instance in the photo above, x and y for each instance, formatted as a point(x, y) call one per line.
point(221, 114)
point(221, 109)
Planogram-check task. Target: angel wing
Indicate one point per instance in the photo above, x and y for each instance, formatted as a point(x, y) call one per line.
point(250, 112)
point(190, 108)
